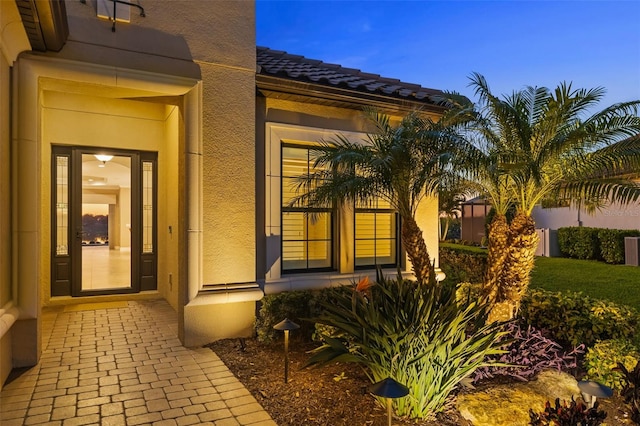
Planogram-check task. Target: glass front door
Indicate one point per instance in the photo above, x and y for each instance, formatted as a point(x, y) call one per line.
point(104, 219)
point(105, 223)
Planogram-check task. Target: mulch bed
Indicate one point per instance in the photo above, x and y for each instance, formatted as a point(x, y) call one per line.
point(334, 395)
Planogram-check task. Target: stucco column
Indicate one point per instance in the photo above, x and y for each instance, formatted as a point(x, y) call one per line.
point(193, 174)
point(26, 203)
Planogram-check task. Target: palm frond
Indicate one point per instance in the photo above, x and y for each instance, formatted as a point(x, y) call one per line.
point(623, 191)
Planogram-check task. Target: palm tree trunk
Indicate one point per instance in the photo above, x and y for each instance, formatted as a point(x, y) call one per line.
point(445, 231)
point(510, 269)
point(416, 248)
point(498, 242)
point(519, 261)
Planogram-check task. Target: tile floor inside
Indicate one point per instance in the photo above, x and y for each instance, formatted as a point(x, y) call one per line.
point(125, 366)
point(103, 268)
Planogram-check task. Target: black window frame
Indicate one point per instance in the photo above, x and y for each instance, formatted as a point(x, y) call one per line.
point(396, 231)
point(308, 213)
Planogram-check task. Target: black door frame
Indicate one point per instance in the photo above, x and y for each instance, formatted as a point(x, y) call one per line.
point(66, 269)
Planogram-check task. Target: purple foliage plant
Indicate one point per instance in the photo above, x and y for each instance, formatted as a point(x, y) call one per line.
point(527, 352)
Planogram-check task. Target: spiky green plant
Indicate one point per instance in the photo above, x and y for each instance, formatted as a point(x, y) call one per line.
point(419, 335)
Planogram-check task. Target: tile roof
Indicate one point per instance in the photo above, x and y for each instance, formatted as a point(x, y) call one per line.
point(298, 68)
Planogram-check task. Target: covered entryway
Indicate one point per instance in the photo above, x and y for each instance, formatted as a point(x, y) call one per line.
point(104, 221)
point(66, 112)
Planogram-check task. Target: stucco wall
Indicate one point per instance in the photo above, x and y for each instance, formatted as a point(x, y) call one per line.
point(6, 293)
point(173, 37)
point(228, 176)
point(199, 56)
point(168, 223)
point(614, 216)
point(5, 185)
point(214, 42)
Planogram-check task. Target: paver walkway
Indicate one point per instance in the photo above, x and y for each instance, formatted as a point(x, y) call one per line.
point(125, 366)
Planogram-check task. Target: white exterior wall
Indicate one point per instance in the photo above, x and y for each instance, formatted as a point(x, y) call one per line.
point(613, 216)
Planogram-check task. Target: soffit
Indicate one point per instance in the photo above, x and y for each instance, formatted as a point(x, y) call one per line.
point(45, 22)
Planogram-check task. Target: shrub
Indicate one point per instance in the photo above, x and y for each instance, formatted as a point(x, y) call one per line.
point(601, 362)
point(594, 243)
point(462, 264)
point(568, 415)
point(527, 352)
point(572, 318)
point(417, 334)
point(579, 242)
point(614, 321)
point(298, 306)
point(631, 390)
point(612, 244)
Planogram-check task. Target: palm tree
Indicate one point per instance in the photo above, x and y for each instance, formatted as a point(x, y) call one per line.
point(537, 142)
point(400, 164)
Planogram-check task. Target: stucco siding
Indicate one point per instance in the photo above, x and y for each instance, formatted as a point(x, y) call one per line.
point(6, 291)
point(614, 216)
point(228, 175)
point(5, 185)
point(171, 38)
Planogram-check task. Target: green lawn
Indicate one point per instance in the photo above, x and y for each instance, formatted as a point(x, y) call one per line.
point(617, 283)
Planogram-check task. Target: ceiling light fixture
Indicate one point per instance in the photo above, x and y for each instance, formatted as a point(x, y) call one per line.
point(103, 158)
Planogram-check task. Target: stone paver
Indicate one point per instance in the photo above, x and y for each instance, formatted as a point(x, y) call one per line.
point(125, 366)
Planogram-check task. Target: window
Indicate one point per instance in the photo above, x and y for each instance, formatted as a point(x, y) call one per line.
point(147, 207)
point(306, 232)
point(62, 205)
point(376, 235)
point(339, 239)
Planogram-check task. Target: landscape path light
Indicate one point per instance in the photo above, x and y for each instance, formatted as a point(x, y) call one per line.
point(389, 389)
point(592, 390)
point(286, 325)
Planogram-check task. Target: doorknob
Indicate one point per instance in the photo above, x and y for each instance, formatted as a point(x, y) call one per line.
point(80, 234)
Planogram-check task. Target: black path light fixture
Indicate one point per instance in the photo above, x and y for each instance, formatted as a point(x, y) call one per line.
point(593, 390)
point(286, 325)
point(389, 389)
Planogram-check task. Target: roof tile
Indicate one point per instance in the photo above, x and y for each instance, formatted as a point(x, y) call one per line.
point(299, 68)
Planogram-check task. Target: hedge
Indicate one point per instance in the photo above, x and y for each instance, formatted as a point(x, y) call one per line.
point(594, 243)
point(612, 244)
point(462, 263)
point(579, 242)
